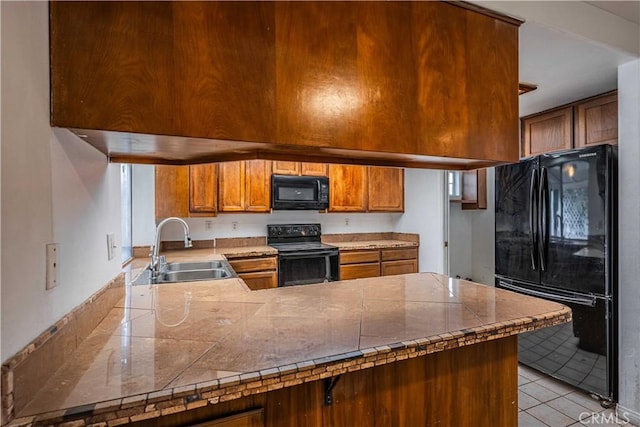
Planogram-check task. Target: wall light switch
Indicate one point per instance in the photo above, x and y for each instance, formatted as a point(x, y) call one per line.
point(111, 246)
point(52, 266)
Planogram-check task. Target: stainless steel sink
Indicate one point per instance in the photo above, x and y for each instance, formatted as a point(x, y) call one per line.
point(193, 275)
point(188, 266)
point(175, 272)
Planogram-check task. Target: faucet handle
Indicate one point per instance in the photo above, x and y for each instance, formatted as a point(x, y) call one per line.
point(187, 241)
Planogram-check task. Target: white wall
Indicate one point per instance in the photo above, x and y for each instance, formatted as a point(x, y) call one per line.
point(629, 238)
point(55, 188)
point(483, 237)
point(460, 241)
point(424, 214)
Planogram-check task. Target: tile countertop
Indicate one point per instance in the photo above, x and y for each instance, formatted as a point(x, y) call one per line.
point(173, 347)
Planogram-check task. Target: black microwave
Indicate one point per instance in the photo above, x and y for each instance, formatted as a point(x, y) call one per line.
point(299, 192)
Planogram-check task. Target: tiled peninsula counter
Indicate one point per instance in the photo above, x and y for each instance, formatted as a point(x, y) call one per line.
point(416, 349)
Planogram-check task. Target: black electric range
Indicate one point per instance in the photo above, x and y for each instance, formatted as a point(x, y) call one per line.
point(302, 258)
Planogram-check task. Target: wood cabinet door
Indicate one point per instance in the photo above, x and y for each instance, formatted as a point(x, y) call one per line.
point(172, 191)
point(231, 186)
point(347, 188)
point(386, 189)
point(359, 271)
point(406, 266)
point(313, 169)
point(203, 188)
point(474, 189)
point(551, 131)
point(260, 280)
point(258, 186)
point(597, 121)
point(286, 168)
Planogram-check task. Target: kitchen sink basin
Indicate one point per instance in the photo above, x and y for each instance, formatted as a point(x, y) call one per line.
point(193, 275)
point(187, 266)
point(175, 272)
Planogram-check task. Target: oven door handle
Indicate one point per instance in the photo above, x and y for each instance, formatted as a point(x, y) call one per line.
point(307, 254)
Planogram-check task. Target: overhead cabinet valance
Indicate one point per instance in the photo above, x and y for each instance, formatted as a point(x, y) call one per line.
point(422, 84)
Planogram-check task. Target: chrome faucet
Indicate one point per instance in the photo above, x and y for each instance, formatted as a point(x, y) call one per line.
point(156, 260)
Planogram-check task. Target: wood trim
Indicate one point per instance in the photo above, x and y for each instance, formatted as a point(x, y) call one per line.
point(488, 12)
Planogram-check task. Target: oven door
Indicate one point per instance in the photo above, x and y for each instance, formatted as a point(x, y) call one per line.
point(307, 267)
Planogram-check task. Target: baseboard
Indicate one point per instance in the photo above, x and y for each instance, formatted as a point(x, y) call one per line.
point(627, 415)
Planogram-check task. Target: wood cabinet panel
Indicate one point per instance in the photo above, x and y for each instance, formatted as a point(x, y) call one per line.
point(396, 254)
point(260, 280)
point(551, 131)
point(203, 188)
point(231, 190)
point(405, 266)
point(385, 189)
point(313, 169)
point(245, 265)
point(172, 191)
point(358, 271)
point(474, 189)
point(355, 78)
point(347, 188)
point(286, 168)
point(355, 257)
point(258, 186)
point(596, 121)
point(253, 418)
point(431, 390)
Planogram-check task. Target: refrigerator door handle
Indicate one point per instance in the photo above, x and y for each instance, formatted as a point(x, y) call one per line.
point(543, 219)
point(587, 301)
point(533, 210)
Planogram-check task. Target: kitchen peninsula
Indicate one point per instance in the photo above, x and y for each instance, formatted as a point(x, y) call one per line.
point(415, 349)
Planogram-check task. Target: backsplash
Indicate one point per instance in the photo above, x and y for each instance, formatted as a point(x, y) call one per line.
point(243, 225)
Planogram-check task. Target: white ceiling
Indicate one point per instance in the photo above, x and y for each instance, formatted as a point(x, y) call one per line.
point(572, 49)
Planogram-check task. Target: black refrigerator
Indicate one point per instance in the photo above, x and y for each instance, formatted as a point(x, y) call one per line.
point(555, 238)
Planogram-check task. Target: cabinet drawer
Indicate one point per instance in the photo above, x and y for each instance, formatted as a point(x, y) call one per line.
point(390, 268)
point(356, 257)
point(394, 254)
point(254, 264)
point(358, 271)
point(260, 280)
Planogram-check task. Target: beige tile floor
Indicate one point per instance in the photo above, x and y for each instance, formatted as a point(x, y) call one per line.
point(544, 401)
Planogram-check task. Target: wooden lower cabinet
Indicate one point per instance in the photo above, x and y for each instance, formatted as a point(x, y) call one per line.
point(359, 264)
point(257, 272)
point(377, 262)
point(474, 385)
point(390, 268)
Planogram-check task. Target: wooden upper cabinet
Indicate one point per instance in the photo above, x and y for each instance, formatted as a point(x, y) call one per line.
point(203, 188)
point(551, 131)
point(231, 186)
point(584, 123)
point(474, 189)
point(596, 121)
point(313, 169)
point(385, 189)
point(172, 191)
point(258, 186)
point(291, 76)
point(299, 168)
point(286, 168)
point(347, 188)
point(244, 186)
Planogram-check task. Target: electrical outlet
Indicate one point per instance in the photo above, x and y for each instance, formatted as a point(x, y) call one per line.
point(346, 222)
point(111, 246)
point(234, 225)
point(208, 224)
point(52, 266)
